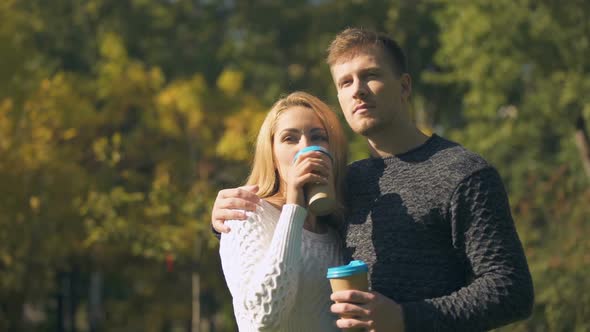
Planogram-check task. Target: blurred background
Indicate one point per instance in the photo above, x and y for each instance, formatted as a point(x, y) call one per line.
point(121, 119)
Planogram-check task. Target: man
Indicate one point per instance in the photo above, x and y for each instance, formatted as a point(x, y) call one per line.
point(430, 218)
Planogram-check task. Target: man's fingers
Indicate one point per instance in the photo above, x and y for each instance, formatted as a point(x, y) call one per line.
point(345, 323)
point(352, 296)
point(230, 203)
point(221, 215)
point(253, 188)
point(220, 227)
point(349, 310)
point(233, 204)
point(225, 214)
point(244, 193)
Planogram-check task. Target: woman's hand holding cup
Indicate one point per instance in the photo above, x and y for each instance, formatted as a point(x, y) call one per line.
point(309, 169)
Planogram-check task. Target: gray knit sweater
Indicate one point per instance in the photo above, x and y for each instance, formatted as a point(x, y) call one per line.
point(435, 227)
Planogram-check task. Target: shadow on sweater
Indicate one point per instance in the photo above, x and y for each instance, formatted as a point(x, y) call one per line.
point(406, 255)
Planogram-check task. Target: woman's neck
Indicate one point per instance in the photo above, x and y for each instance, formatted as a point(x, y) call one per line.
point(313, 225)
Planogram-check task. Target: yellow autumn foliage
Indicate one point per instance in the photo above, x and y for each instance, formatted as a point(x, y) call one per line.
point(237, 142)
point(230, 82)
point(180, 106)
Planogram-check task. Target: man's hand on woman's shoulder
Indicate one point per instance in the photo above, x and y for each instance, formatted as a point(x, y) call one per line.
point(230, 203)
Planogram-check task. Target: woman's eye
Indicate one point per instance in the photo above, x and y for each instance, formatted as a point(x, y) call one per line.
point(320, 138)
point(289, 139)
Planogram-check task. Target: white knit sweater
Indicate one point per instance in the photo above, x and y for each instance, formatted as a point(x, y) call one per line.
point(276, 271)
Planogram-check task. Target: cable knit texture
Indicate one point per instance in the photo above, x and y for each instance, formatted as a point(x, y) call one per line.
point(435, 227)
point(276, 271)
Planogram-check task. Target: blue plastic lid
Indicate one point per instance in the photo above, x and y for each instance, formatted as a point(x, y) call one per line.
point(312, 148)
point(344, 271)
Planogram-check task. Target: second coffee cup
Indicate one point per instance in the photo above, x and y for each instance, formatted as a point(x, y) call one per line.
point(321, 199)
point(347, 277)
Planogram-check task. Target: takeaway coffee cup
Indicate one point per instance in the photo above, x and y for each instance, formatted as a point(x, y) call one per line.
point(347, 277)
point(320, 197)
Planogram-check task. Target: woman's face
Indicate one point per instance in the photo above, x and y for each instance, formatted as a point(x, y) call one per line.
point(297, 127)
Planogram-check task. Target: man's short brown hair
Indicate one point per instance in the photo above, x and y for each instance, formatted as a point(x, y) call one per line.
point(353, 41)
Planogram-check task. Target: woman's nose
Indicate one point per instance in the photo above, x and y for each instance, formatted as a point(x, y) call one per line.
point(304, 141)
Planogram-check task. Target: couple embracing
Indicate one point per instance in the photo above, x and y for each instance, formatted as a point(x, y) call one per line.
point(430, 219)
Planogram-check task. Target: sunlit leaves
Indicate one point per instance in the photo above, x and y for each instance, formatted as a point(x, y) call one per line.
point(230, 82)
point(181, 109)
point(241, 129)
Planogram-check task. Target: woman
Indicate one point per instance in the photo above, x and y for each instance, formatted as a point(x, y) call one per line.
point(275, 262)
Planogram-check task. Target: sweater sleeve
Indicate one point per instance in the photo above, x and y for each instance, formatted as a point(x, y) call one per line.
point(500, 290)
point(261, 260)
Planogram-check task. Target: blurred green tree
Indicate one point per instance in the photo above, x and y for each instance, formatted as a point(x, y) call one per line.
point(120, 121)
point(525, 67)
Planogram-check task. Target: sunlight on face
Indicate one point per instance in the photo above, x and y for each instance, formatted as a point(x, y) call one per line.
point(296, 128)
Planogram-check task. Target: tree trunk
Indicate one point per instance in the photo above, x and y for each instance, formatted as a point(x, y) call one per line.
point(63, 302)
point(205, 325)
point(583, 143)
point(196, 282)
point(67, 301)
point(95, 302)
point(196, 302)
point(11, 311)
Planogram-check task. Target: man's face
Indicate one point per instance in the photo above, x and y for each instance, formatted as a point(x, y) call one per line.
point(371, 95)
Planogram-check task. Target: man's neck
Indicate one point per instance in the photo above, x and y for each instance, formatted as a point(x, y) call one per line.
point(396, 141)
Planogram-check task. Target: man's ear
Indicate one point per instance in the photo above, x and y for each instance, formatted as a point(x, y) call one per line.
point(406, 85)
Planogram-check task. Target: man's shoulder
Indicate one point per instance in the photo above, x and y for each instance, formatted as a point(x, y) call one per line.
point(457, 156)
point(360, 164)
point(437, 155)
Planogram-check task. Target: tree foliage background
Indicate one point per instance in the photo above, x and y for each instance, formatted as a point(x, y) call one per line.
point(120, 121)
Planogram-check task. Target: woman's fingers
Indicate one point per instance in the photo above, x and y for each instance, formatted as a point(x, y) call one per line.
point(311, 167)
point(313, 178)
point(314, 155)
point(317, 166)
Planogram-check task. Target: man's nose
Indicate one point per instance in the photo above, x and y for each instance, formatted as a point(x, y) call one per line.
point(360, 90)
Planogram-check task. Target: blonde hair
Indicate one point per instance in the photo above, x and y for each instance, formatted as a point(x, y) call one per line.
point(264, 172)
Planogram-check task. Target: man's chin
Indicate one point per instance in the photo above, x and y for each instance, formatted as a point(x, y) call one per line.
point(368, 130)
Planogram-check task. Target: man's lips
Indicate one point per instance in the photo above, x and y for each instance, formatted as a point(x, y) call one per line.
point(361, 107)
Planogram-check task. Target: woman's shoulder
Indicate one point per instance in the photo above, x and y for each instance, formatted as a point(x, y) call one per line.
point(265, 216)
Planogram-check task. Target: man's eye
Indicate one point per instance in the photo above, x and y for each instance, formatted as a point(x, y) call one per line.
point(345, 83)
